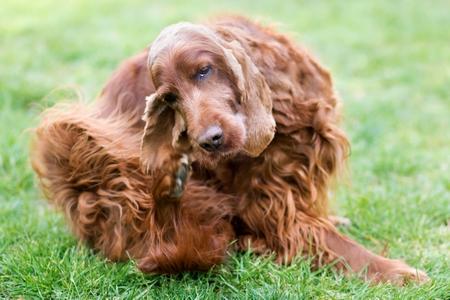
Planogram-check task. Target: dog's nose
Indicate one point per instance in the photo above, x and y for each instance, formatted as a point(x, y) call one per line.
point(211, 139)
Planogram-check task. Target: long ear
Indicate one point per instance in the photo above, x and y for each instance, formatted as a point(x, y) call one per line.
point(256, 100)
point(163, 127)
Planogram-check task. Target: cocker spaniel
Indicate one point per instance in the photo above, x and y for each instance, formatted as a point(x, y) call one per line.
point(219, 136)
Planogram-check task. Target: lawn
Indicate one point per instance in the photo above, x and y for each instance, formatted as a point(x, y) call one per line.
point(391, 64)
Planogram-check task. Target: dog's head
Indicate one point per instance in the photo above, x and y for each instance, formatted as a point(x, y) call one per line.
point(208, 93)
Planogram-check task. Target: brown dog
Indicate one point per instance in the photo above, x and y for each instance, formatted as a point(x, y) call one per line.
point(239, 141)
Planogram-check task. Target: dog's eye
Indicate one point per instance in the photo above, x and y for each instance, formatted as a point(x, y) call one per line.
point(203, 73)
point(170, 98)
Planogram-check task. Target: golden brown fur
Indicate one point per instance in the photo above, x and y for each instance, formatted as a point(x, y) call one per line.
point(265, 189)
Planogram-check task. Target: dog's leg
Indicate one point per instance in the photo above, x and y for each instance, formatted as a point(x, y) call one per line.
point(168, 186)
point(287, 232)
point(169, 182)
point(356, 258)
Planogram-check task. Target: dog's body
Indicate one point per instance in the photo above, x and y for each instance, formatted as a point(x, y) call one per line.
point(265, 189)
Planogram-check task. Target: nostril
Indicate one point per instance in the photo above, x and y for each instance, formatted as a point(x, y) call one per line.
point(217, 137)
point(207, 146)
point(217, 140)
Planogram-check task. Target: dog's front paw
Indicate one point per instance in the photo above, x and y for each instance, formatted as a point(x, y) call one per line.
point(170, 181)
point(180, 177)
point(252, 243)
point(398, 273)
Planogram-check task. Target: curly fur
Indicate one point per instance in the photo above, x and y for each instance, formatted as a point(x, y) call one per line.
point(269, 193)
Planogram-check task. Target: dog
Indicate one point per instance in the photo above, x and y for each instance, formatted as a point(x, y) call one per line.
point(218, 137)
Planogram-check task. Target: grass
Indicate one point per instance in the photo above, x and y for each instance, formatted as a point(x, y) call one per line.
point(391, 64)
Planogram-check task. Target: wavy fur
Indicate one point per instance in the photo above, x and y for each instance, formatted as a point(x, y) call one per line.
point(88, 159)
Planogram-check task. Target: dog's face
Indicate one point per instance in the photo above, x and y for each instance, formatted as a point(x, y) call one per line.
point(208, 94)
point(193, 81)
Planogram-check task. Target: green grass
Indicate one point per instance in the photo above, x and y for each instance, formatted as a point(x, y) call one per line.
point(391, 64)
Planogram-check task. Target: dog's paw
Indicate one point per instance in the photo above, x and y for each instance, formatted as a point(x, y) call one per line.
point(171, 180)
point(398, 273)
point(180, 177)
point(252, 243)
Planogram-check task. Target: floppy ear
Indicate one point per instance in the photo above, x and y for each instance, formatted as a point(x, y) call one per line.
point(256, 102)
point(161, 138)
